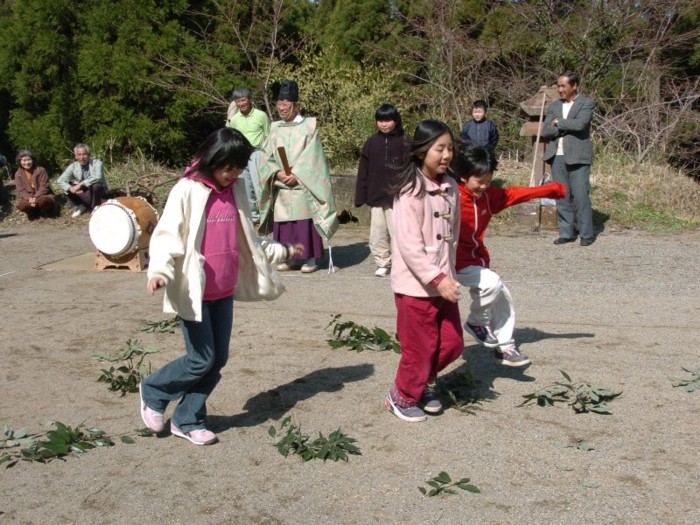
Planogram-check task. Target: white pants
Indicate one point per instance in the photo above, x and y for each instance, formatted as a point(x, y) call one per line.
point(491, 302)
point(380, 233)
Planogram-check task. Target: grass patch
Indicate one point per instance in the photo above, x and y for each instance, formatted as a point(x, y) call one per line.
point(626, 195)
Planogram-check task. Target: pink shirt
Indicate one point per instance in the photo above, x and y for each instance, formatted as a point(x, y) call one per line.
point(219, 247)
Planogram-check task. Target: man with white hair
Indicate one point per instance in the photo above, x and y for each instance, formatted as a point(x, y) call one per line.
point(83, 181)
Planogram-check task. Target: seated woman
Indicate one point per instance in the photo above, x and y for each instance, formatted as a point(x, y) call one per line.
point(34, 195)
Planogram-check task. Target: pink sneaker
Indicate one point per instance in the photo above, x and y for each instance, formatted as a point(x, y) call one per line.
point(198, 436)
point(155, 421)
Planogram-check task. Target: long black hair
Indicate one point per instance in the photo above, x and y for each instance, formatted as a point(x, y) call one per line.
point(426, 134)
point(389, 112)
point(223, 148)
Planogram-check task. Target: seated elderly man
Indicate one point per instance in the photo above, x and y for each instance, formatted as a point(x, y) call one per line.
point(83, 181)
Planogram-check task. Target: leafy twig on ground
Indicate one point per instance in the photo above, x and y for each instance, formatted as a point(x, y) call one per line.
point(465, 405)
point(579, 444)
point(581, 396)
point(16, 438)
point(443, 484)
point(460, 391)
point(59, 443)
point(162, 326)
point(125, 378)
point(689, 384)
point(359, 338)
point(288, 439)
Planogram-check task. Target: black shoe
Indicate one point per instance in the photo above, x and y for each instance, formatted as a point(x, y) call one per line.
point(564, 240)
point(587, 242)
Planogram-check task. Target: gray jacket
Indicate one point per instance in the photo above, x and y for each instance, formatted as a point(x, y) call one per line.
point(575, 131)
point(74, 173)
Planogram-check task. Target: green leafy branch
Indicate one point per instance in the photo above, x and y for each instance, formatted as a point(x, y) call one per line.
point(57, 444)
point(359, 338)
point(689, 384)
point(17, 438)
point(288, 439)
point(580, 396)
point(443, 484)
point(459, 391)
point(579, 444)
point(126, 377)
point(162, 326)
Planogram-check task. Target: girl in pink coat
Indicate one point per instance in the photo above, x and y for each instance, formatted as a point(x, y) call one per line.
point(426, 291)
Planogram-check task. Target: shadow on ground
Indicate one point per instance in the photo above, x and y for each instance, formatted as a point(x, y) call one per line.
point(599, 220)
point(473, 382)
point(276, 402)
point(533, 335)
point(350, 255)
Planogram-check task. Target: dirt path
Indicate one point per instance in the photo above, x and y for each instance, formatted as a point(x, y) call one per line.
point(622, 313)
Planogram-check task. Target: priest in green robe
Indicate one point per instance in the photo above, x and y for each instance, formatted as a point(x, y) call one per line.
point(297, 203)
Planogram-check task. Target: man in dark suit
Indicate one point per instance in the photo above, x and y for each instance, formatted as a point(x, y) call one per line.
point(567, 125)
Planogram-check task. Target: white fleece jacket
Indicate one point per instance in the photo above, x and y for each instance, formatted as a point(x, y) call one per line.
point(175, 252)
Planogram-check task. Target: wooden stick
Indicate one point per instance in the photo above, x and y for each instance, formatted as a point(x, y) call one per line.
point(537, 140)
point(285, 163)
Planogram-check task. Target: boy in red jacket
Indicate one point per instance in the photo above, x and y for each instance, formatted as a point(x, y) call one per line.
point(492, 318)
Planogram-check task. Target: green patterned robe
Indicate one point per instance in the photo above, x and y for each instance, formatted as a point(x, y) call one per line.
point(313, 197)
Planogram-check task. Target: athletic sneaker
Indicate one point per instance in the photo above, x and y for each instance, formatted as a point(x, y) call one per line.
point(286, 267)
point(381, 272)
point(510, 356)
point(481, 334)
point(78, 211)
point(155, 421)
point(430, 402)
point(411, 413)
point(198, 436)
point(309, 268)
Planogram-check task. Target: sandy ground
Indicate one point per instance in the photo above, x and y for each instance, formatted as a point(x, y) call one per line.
point(622, 313)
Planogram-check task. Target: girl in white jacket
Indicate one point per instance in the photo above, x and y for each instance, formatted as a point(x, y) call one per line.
point(205, 252)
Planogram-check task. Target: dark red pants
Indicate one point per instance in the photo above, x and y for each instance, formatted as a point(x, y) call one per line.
point(430, 334)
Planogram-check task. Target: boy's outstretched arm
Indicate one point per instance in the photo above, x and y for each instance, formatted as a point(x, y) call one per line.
point(519, 194)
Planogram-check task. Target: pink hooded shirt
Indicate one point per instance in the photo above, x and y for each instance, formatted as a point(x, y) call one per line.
point(219, 242)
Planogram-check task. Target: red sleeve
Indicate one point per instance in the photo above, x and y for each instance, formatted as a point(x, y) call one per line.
point(520, 194)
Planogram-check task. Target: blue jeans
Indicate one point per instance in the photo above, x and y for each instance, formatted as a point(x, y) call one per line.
point(192, 377)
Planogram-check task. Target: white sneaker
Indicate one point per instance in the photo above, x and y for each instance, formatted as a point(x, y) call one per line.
point(309, 268)
point(381, 272)
point(79, 210)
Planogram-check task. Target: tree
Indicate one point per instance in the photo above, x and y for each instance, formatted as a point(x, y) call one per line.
point(240, 43)
point(83, 72)
point(37, 70)
point(359, 31)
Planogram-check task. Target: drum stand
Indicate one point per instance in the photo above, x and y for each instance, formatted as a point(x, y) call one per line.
point(136, 261)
